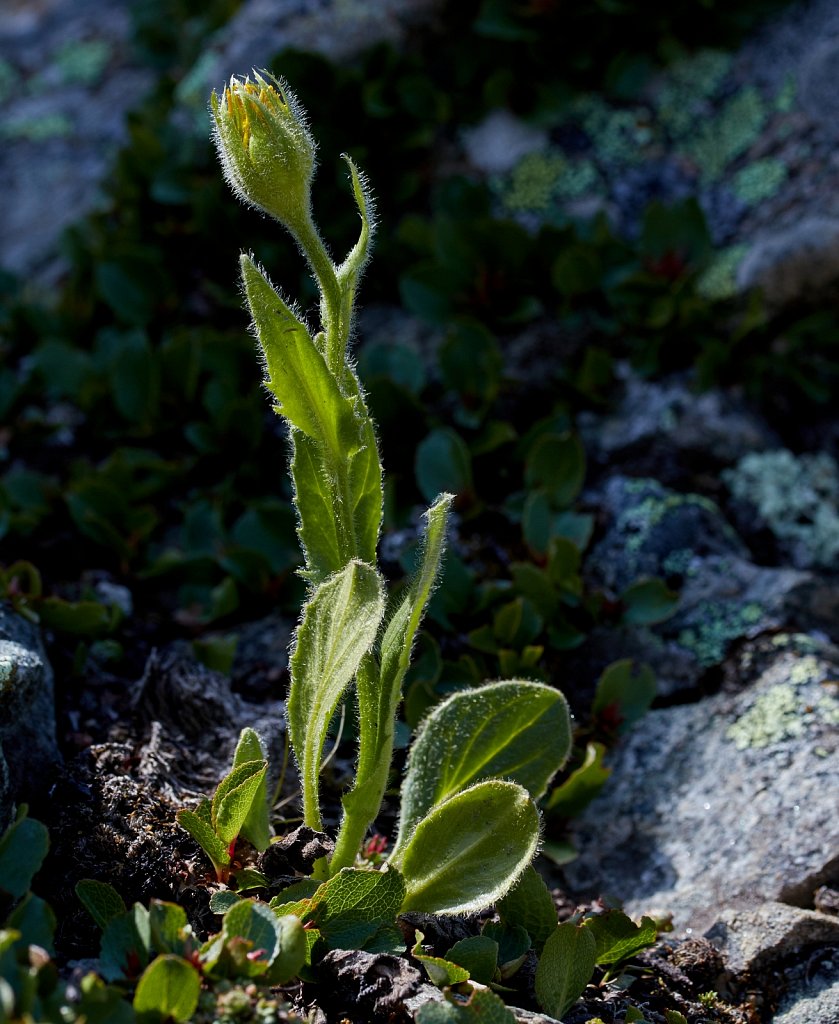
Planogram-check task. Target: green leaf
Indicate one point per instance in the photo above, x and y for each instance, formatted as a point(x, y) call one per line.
point(513, 730)
point(78, 618)
point(168, 989)
point(623, 696)
point(354, 904)
point(647, 602)
point(581, 786)
point(22, 850)
point(675, 1017)
point(478, 954)
point(339, 626)
point(470, 849)
point(234, 798)
point(255, 927)
point(402, 628)
point(134, 376)
point(634, 1016)
point(169, 927)
point(557, 464)
point(100, 900)
point(476, 1003)
point(222, 900)
point(308, 394)
point(618, 937)
point(34, 919)
point(293, 951)
point(319, 529)
point(443, 464)
point(565, 968)
point(442, 973)
point(203, 834)
point(513, 944)
point(125, 946)
point(529, 904)
point(256, 827)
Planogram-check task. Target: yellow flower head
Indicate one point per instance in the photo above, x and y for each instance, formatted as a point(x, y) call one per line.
point(264, 145)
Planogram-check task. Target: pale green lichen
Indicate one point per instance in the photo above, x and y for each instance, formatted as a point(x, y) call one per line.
point(717, 624)
point(785, 100)
point(41, 129)
point(83, 62)
point(719, 279)
point(775, 716)
point(618, 135)
point(8, 80)
point(796, 495)
point(680, 563)
point(689, 84)
point(533, 181)
point(786, 710)
point(759, 181)
point(729, 134)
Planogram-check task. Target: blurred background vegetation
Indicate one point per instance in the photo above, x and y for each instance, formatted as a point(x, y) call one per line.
point(139, 451)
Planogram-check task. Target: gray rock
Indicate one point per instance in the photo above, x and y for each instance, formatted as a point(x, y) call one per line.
point(799, 261)
point(725, 803)
point(817, 84)
point(669, 415)
point(752, 940)
point(653, 531)
point(337, 29)
point(497, 144)
point(813, 994)
point(27, 711)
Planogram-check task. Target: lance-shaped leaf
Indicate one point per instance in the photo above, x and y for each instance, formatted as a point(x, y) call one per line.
point(402, 628)
point(339, 626)
point(203, 833)
point(470, 849)
point(512, 730)
point(308, 393)
point(234, 798)
point(168, 990)
point(322, 533)
point(565, 968)
point(355, 904)
point(380, 690)
point(618, 937)
point(256, 827)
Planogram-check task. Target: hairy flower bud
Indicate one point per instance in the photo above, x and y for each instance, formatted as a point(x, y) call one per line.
point(265, 148)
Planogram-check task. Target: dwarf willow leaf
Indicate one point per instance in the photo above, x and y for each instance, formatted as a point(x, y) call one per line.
point(442, 973)
point(354, 905)
point(478, 954)
point(462, 1007)
point(513, 730)
point(529, 904)
point(339, 626)
point(100, 900)
point(256, 827)
point(168, 923)
point(618, 937)
point(22, 850)
point(168, 990)
point(235, 798)
point(565, 968)
point(256, 927)
point(470, 849)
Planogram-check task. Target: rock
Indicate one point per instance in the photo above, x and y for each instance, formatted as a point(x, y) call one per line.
point(667, 425)
point(795, 497)
point(653, 531)
point(727, 802)
point(752, 940)
point(27, 710)
point(337, 29)
point(817, 84)
point(69, 66)
point(372, 983)
point(793, 263)
point(813, 992)
point(497, 144)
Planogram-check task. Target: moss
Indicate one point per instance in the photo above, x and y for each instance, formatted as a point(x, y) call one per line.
point(785, 100)
point(719, 623)
point(760, 180)
point(728, 135)
point(796, 495)
point(719, 279)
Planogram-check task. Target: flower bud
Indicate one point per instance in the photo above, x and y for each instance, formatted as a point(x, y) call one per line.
point(265, 148)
